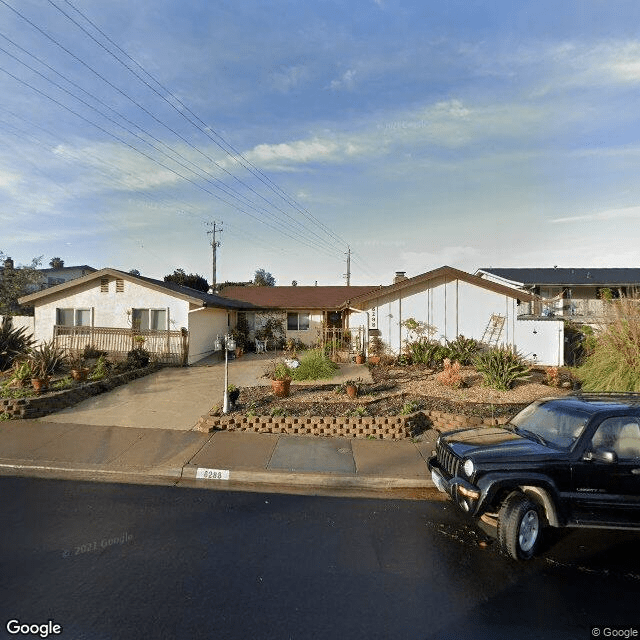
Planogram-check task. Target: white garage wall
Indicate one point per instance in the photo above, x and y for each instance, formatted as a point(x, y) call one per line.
point(204, 326)
point(460, 308)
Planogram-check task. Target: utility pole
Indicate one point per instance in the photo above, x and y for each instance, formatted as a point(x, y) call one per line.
point(214, 245)
point(348, 274)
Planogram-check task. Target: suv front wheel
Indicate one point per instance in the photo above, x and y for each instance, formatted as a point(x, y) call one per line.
point(520, 525)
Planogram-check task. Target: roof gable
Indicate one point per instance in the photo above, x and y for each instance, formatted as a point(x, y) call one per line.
point(445, 274)
point(193, 296)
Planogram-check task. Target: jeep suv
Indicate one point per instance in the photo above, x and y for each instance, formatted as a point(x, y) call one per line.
point(561, 462)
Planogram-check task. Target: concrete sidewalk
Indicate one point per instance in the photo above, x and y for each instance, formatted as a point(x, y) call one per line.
point(223, 459)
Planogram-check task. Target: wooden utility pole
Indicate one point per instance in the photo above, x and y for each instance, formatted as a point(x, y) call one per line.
point(214, 245)
point(348, 274)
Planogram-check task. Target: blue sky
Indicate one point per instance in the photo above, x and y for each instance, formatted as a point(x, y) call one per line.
point(469, 133)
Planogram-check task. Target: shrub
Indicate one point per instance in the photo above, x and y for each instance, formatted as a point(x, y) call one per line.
point(138, 358)
point(501, 367)
point(463, 349)
point(314, 365)
point(429, 352)
point(14, 343)
point(450, 375)
point(614, 364)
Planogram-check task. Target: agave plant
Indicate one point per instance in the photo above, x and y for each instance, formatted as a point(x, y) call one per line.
point(14, 343)
point(46, 359)
point(501, 367)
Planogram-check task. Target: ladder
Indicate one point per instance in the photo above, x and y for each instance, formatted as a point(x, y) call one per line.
point(492, 333)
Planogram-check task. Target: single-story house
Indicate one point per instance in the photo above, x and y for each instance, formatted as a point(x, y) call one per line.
point(108, 308)
point(303, 312)
point(576, 293)
point(454, 303)
point(52, 276)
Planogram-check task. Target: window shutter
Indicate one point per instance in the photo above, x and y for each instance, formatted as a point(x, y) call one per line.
point(104, 285)
point(119, 285)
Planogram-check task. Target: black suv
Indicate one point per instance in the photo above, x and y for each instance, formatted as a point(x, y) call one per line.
point(561, 462)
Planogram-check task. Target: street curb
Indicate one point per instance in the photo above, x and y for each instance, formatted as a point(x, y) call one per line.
point(303, 478)
point(28, 468)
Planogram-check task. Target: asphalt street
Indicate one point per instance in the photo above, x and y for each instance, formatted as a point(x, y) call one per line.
point(130, 561)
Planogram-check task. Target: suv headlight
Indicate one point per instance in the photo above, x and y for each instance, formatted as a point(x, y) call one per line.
point(468, 468)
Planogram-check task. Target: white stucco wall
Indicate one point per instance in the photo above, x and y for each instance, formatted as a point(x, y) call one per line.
point(541, 341)
point(204, 326)
point(109, 308)
point(23, 322)
point(460, 308)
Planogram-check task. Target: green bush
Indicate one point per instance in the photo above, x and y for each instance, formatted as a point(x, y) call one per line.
point(614, 364)
point(501, 367)
point(14, 343)
point(429, 352)
point(462, 349)
point(314, 365)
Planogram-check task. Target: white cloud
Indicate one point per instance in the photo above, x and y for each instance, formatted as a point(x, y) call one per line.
point(289, 78)
point(609, 214)
point(346, 81)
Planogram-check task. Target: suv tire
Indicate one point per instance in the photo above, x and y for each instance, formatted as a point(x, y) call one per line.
point(519, 527)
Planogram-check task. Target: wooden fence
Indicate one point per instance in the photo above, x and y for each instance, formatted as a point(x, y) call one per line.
point(168, 347)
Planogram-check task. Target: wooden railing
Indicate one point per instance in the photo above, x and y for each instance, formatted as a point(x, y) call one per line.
point(168, 347)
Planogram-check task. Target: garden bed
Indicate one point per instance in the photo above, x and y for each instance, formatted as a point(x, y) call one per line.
point(412, 394)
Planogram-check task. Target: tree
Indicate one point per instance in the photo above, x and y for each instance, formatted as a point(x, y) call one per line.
point(263, 278)
point(15, 282)
point(56, 263)
point(192, 280)
point(134, 272)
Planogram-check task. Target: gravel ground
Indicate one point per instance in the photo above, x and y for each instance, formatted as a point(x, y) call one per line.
point(397, 390)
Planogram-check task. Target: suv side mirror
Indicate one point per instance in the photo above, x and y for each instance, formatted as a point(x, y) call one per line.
point(601, 455)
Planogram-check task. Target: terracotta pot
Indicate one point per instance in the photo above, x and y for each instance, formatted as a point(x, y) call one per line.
point(80, 374)
point(374, 359)
point(40, 384)
point(352, 390)
point(359, 359)
point(239, 352)
point(281, 387)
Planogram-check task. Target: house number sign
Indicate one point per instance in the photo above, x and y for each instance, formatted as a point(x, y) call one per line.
point(373, 318)
point(212, 474)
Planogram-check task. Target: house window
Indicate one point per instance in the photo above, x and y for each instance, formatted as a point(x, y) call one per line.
point(73, 317)
point(149, 319)
point(297, 321)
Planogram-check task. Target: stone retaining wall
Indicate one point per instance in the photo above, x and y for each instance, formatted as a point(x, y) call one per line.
point(50, 402)
point(377, 427)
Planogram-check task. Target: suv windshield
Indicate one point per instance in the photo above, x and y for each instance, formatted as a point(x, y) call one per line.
point(556, 425)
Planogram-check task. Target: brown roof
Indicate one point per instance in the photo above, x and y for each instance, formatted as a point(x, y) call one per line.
point(295, 297)
point(446, 274)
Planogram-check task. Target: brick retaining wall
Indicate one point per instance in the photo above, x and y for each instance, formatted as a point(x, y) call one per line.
point(376, 427)
point(50, 402)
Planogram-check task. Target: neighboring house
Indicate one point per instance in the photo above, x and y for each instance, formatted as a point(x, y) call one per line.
point(456, 303)
point(576, 294)
point(302, 311)
point(54, 276)
point(109, 308)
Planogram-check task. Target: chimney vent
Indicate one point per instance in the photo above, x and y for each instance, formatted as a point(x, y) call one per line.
point(8, 263)
point(400, 276)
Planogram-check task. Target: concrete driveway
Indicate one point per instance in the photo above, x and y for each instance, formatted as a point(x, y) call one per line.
point(175, 398)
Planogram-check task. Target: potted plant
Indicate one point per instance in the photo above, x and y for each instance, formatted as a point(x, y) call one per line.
point(351, 387)
point(234, 394)
point(376, 349)
point(79, 370)
point(45, 360)
point(360, 358)
point(280, 376)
